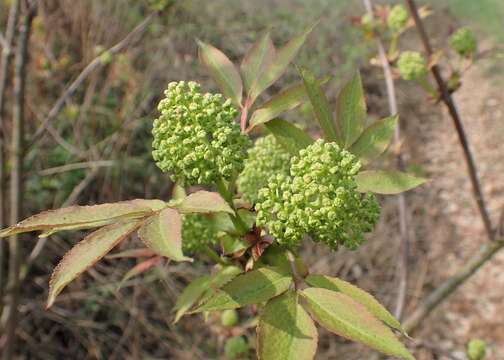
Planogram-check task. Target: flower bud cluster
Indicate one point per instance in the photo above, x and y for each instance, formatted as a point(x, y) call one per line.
point(266, 158)
point(411, 65)
point(196, 138)
point(464, 42)
point(198, 231)
point(319, 198)
point(397, 18)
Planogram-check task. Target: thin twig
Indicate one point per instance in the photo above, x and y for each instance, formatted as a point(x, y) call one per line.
point(76, 166)
point(97, 62)
point(4, 72)
point(401, 200)
point(452, 109)
point(3, 42)
point(17, 152)
point(442, 292)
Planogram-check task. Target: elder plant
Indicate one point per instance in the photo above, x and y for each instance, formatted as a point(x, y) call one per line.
point(258, 200)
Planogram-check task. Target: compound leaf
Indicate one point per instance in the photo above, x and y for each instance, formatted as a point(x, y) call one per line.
point(345, 317)
point(86, 253)
point(386, 182)
point(285, 330)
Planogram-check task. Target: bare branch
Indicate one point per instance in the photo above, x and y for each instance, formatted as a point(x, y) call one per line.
point(457, 121)
point(3, 42)
point(133, 36)
point(401, 200)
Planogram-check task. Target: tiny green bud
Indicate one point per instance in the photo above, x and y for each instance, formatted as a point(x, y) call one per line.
point(464, 42)
point(397, 18)
point(476, 349)
point(229, 318)
point(411, 65)
point(235, 347)
point(367, 23)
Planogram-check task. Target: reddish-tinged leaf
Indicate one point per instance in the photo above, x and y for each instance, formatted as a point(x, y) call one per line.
point(162, 233)
point(257, 59)
point(223, 72)
point(285, 331)
point(356, 293)
point(140, 268)
point(345, 317)
point(86, 253)
point(204, 202)
point(132, 253)
point(83, 217)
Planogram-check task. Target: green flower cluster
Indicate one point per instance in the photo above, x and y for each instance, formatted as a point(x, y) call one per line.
point(411, 65)
point(319, 198)
point(397, 18)
point(197, 232)
point(463, 41)
point(476, 349)
point(235, 347)
point(266, 158)
point(196, 138)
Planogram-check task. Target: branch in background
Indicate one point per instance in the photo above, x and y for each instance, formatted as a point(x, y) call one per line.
point(442, 292)
point(4, 70)
point(450, 104)
point(96, 63)
point(16, 192)
point(401, 200)
point(3, 42)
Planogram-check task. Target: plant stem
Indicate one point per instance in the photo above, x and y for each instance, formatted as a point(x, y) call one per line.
point(238, 222)
point(4, 72)
point(448, 100)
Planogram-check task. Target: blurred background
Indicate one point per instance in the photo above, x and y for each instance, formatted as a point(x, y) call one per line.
point(97, 149)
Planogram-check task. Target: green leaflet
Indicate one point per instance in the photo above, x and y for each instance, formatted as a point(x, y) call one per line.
point(84, 217)
point(386, 182)
point(222, 71)
point(250, 288)
point(374, 140)
point(257, 59)
point(320, 105)
point(285, 330)
point(203, 202)
point(351, 110)
point(86, 253)
point(162, 233)
point(345, 317)
point(289, 136)
point(283, 57)
point(356, 293)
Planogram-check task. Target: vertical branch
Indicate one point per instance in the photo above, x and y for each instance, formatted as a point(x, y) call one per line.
point(4, 69)
point(16, 171)
point(457, 121)
point(401, 200)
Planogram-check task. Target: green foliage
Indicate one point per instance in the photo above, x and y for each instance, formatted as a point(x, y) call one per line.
point(344, 316)
point(266, 158)
point(291, 137)
point(476, 349)
point(319, 198)
point(464, 42)
point(387, 182)
point(198, 231)
point(229, 318)
point(397, 18)
point(235, 347)
point(285, 330)
point(196, 138)
point(411, 65)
